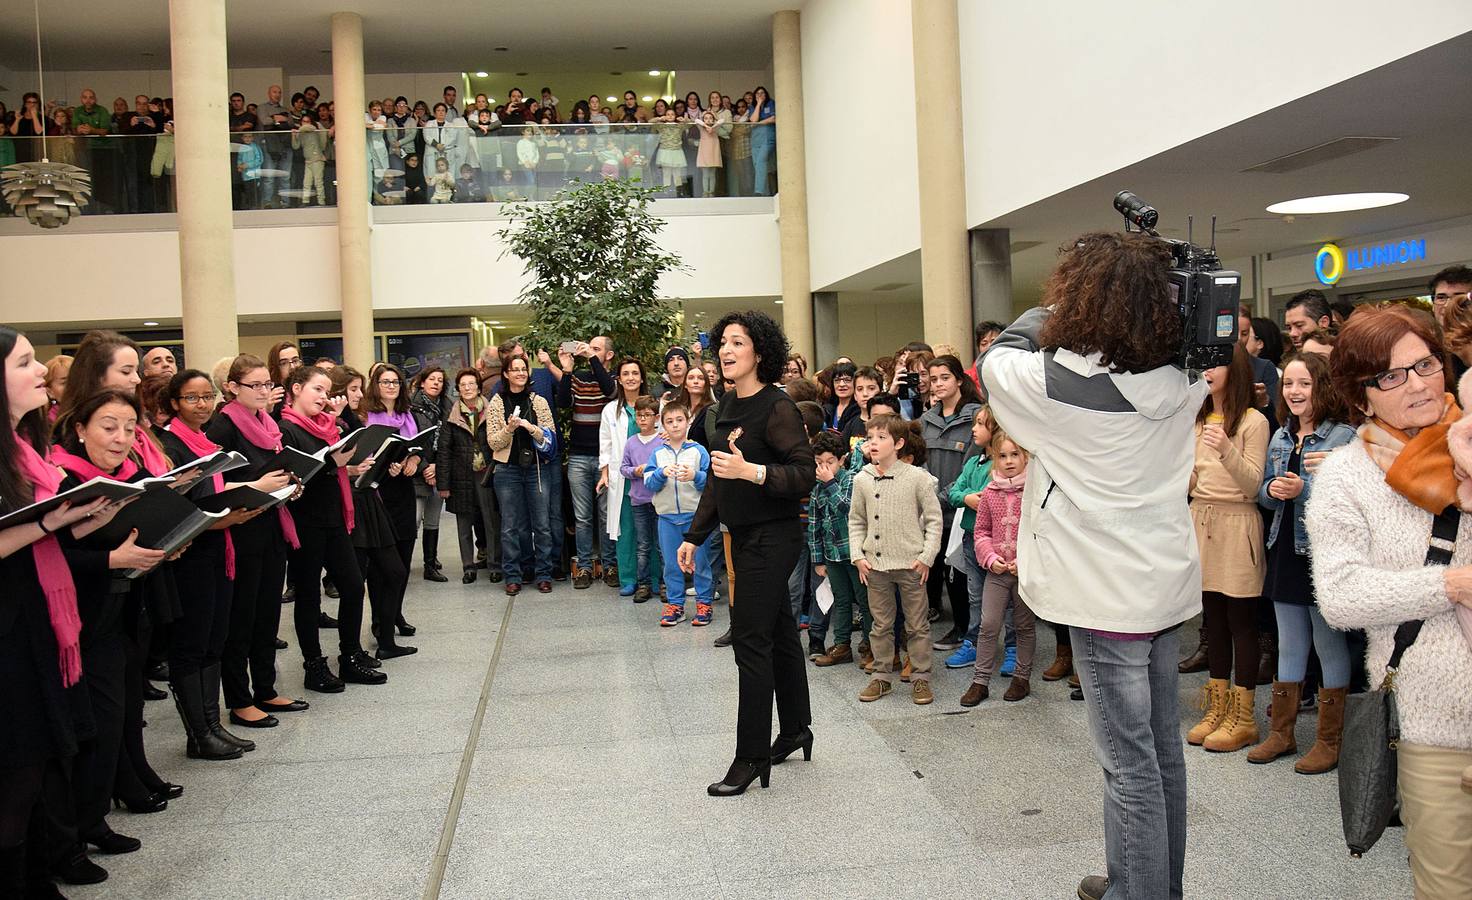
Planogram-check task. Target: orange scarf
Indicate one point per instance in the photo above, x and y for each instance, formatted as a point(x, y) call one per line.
point(1418, 468)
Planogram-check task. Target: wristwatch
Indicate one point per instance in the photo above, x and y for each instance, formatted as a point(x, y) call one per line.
point(761, 474)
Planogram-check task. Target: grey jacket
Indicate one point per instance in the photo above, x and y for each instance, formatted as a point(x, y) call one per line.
point(947, 445)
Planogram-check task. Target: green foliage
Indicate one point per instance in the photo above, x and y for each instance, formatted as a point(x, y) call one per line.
point(595, 263)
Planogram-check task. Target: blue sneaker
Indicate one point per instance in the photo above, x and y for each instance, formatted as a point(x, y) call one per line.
point(1009, 662)
point(627, 590)
point(964, 656)
point(802, 623)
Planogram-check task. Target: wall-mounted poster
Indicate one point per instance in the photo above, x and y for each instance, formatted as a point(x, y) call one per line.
point(412, 352)
point(314, 348)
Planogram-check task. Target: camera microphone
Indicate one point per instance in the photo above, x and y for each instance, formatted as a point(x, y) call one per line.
point(1137, 211)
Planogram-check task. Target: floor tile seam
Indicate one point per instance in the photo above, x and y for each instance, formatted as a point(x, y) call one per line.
point(440, 860)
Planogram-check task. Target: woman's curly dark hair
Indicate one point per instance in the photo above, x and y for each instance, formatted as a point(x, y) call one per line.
point(766, 338)
point(1110, 296)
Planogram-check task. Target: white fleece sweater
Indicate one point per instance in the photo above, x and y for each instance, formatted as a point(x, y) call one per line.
point(1369, 553)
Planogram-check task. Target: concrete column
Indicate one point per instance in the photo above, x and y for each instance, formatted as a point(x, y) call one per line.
point(944, 263)
point(792, 187)
point(202, 160)
point(991, 277)
point(354, 253)
point(825, 328)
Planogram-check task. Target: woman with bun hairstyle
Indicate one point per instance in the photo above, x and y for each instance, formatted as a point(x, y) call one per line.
point(248, 659)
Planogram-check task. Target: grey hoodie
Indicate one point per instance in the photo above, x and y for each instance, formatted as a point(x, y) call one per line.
point(947, 445)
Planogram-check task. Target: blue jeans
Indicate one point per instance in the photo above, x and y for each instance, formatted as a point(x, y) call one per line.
point(763, 145)
point(1301, 628)
point(1131, 693)
point(552, 478)
point(590, 512)
point(523, 494)
point(646, 523)
point(672, 530)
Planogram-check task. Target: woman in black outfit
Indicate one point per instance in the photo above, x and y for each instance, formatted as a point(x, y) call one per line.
point(248, 660)
point(374, 541)
point(762, 468)
point(40, 664)
point(429, 403)
point(324, 523)
point(386, 402)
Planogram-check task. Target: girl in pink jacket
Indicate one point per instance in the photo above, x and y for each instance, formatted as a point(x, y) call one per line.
point(998, 516)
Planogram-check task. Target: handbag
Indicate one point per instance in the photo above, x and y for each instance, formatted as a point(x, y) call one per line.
point(1367, 760)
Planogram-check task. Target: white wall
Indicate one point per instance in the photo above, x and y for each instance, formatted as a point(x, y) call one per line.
point(731, 83)
point(66, 86)
point(1058, 92)
point(293, 270)
point(870, 328)
point(858, 79)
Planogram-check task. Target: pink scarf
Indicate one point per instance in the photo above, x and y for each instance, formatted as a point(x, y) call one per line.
point(153, 458)
point(53, 572)
point(85, 469)
point(263, 432)
point(202, 446)
point(323, 426)
point(1008, 485)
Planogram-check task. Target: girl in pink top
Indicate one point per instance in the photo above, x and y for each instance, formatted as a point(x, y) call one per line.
point(708, 157)
point(998, 516)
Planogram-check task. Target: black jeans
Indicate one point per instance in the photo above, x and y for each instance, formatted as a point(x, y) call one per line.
point(330, 549)
point(197, 639)
point(248, 664)
point(764, 635)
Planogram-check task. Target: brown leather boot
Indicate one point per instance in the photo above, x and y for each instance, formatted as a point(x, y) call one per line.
point(1323, 756)
point(1018, 689)
point(1214, 701)
point(1196, 662)
point(838, 653)
point(1062, 665)
point(1239, 728)
point(1283, 714)
point(975, 693)
point(1267, 660)
point(866, 657)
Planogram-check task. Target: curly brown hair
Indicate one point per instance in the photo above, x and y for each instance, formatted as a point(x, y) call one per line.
point(1110, 296)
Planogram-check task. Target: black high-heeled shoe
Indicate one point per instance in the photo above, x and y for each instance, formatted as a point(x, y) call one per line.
point(740, 776)
point(151, 804)
point(164, 789)
point(786, 745)
point(405, 629)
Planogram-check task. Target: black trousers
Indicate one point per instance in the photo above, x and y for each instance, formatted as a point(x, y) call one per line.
point(248, 663)
point(328, 549)
point(135, 779)
point(197, 639)
point(387, 580)
point(94, 768)
point(769, 655)
point(954, 582)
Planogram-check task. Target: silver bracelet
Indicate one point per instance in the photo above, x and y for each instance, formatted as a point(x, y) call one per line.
point(761, 474)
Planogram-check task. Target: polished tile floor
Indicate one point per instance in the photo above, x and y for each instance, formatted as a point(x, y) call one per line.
point(559, 746)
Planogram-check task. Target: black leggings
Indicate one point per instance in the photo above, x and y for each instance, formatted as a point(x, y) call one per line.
point(330, 549)
point(387, 580)
point(769, 656)
point(1231, 633)
point(197, 639)
point(248, 663)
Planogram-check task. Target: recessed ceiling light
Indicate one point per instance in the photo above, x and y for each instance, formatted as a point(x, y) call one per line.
point(149, 324)
point(493, 321)
point(612, 99)
point(655, 72)
point(778, 302)
point(481, 74)
point(1333, 203)
point(490, 99)
point(647, 98)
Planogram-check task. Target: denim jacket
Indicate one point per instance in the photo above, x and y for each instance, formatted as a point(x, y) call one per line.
point(1327, 436)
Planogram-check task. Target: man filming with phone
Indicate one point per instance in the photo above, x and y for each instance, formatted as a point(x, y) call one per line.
point(585, 387)
point(1086, 383)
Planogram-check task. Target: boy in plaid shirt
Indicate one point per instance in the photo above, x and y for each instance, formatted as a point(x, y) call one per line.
point(828, 546)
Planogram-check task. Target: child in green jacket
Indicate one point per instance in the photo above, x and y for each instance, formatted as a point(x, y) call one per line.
point(965, 492)
point(829, 548)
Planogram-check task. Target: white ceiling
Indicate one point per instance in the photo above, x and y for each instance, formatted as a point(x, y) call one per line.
point(1422, 100)
point(434, 35)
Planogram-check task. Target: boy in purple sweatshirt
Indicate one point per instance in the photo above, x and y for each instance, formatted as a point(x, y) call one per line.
point(637, 455)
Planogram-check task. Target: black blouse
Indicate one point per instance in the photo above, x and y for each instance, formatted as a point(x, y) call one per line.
point(320, 505)
point(772, 434)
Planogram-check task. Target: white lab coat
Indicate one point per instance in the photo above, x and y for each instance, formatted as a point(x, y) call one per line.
point(454, 137)
point(613, 433)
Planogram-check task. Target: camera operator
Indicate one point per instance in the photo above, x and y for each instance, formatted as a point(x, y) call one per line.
point(1086, 383)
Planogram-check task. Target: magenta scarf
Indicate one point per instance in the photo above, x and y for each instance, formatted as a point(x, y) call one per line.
point(153, 458)
point(53, 572)
point(403, 421)
point(323, 426)
point(263, 432)
point(201, 447)
point(85, 469)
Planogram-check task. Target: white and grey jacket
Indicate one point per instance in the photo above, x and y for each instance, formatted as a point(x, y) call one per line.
point(673, 497)
point(1106, 540)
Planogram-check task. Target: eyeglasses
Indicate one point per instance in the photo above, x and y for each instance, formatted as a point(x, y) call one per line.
point(1391, 379)
point(1442, 297)
point(197, 399)
point(843, 379)
point(258, 385)
point(388, 382)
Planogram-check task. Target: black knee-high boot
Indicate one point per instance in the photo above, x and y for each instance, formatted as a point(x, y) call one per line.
point(432, 556)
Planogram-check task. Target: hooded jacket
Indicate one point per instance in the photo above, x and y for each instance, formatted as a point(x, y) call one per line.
point(947, 444)
point(1106, 540)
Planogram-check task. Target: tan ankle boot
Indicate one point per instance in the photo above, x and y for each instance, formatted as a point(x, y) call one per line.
point(1062, 666)
point(1324, 755)
point(1283, 715)
point(1214, 701)
point(1239, 728)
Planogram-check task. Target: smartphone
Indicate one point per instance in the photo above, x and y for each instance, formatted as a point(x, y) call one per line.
point(704, 340)
point(568, 347)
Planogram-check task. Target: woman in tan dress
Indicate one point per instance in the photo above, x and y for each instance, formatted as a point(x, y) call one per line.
point(1231, 451)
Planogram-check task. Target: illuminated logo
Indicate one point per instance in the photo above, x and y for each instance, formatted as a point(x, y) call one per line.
point(1331, 263)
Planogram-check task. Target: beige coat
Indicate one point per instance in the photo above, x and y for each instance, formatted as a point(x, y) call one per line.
point(499, 434)
point(1229, 527)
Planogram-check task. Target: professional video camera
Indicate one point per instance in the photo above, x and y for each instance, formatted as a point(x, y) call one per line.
point(1206, 294)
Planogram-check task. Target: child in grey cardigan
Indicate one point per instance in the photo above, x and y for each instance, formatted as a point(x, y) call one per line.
point(890, 498)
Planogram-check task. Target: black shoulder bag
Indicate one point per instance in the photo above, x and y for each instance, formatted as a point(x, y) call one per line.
point(1367, 764)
